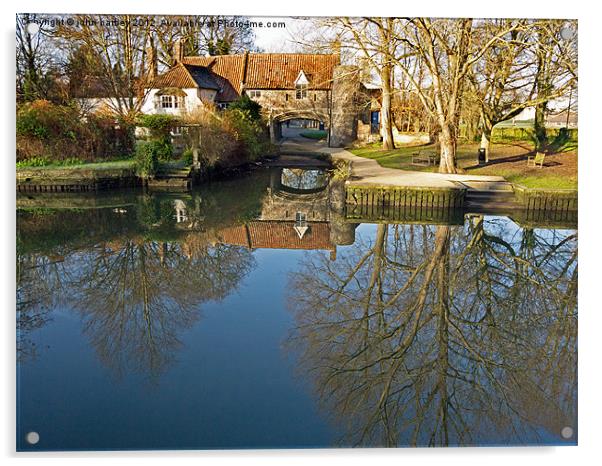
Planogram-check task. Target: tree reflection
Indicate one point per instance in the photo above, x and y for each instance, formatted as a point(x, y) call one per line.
point(443, 335)
point(38, 279)
point(137, 297)
point(137, 289)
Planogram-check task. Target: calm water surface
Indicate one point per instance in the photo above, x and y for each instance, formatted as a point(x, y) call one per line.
point(251, 314)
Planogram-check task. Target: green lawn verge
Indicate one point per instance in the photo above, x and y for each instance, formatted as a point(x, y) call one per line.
point(543, 182)
point(113, 164)
point(400, 158)
point(313, 134)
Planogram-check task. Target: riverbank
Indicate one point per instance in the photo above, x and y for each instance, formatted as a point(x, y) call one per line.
point(78, 178)
point(367, 183)
point(101, 176)
point(367, 171)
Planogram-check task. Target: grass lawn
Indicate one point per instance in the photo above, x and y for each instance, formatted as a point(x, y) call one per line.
point(113, 164)
point(108, 165)
point(508, 160)
point(313, 134)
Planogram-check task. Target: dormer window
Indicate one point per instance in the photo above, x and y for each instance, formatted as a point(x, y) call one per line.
point(301, 85)
point(301, 91)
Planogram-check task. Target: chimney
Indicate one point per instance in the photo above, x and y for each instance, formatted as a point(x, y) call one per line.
point(336, 49)
point(245, 66)
point(363, 63)
point(179, 50)
point(151, 57)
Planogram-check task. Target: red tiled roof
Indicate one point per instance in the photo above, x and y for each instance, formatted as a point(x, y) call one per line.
point(267, 70)
point(228, 71)
point(280, 70)
point(185, 76)
point(277, 235)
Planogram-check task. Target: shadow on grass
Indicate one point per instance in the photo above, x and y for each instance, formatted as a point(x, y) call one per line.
point(509, 159)
point(562, 142)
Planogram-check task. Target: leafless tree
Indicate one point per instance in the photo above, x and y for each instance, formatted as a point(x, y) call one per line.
point(38, 72)
point(119, 42)
point(509, 77)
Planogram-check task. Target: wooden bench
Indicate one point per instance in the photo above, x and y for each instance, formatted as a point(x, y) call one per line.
point(537, 159)
point(424, 159)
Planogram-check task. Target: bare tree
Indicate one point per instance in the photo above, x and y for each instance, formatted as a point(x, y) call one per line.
point(556, 58)
point(36, 61)
point(368, 41)
point(508, 78)
point(201, 35)
point(119, 42)
point(447, 49)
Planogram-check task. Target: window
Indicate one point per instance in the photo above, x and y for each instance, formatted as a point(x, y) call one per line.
point(172, 101)
point(300, 224)
point(254, 93)
point(301, 84)
point(301, 91)
point(222, 105)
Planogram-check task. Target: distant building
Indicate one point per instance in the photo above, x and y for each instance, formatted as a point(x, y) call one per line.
point(563, 119)
point(554, 119)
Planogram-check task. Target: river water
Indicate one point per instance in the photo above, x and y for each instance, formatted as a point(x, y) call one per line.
point(252, 314)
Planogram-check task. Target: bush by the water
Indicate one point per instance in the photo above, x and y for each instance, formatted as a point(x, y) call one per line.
point(60, 132)
point(187, 156)
point(250, 132)
point(147, 158)
point(159, 129)
point(227, 138)
point(247, 105)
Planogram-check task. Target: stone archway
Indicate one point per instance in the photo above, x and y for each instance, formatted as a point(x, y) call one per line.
point(277, 120)
point(339, 111)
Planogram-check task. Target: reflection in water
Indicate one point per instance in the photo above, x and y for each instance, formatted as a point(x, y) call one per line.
point(302, 179)
point(136, 297)
point(443, 335)
point(136, 275)
point(410, 334)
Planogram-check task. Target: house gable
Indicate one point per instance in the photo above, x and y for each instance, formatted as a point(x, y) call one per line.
point(301, 79)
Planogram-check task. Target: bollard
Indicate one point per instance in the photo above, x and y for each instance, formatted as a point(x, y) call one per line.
point(481, 156)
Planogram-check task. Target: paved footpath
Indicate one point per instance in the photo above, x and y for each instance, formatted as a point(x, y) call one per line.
point(367, 171)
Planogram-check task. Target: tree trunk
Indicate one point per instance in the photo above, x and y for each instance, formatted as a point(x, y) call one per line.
point(540, 127)
point(447, 151)
point(472, 125)
point(385, 111)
